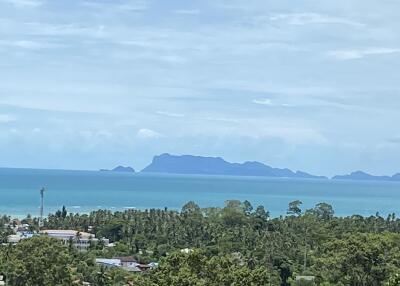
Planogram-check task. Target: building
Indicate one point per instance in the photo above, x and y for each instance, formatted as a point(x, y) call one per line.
point(109, 263)
point(305, 280)
point(186, 250)
point(17, 226)
point(15, 238)
point(127, 263)
point(81, 240)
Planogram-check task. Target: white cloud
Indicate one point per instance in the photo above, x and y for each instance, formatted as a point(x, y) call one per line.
point(29, 45)
point(145, 133)
point(312, 18)
point(7, 118)
point(15, 131)
point(222, 119)
point(269, 102)
point(264, 101)
point(187, 12)
point(71, 29)
point(24, 3)
point(170, 114)
point(129, 6)
point(361, 53)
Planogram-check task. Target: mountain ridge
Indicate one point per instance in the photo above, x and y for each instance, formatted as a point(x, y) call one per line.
point(363, 176)
point(190, 164)
point(120, 169)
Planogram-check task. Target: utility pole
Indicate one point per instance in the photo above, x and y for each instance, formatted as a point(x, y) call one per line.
point(305, 253)
point(41, 207)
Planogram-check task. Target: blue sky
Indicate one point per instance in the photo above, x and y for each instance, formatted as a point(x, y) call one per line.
point(310, 85)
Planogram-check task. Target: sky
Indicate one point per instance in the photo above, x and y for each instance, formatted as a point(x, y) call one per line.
point(310, 85)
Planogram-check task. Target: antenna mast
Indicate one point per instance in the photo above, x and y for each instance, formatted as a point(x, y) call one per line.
point(41, 207)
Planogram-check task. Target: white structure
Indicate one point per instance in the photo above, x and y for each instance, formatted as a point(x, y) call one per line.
point(81, 240)
point(108, 262)
point(15, 238)
point(186, 250)
point(127, 263)
point(305, 278)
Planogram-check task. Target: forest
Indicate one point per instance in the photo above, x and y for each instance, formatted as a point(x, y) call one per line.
point(237, 244)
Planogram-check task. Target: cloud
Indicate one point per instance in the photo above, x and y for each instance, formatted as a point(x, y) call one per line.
point(269, 102)
point(187, 12)
point(221, 119)
point(24, 3)
point(145, 133)
point(395, 140)
point(29, 45)
point(71, 29)
point(361, 53)
point(130, 6)
point(264, 101)
point(170, 114)
point(300, 19)
point(15, 131)
point(7, 118)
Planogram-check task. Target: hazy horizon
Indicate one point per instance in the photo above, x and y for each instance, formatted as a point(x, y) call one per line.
point(310, 86)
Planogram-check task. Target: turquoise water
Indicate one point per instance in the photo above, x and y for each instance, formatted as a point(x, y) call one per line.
point(83, 191)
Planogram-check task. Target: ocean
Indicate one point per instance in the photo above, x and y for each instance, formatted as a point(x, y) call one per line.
point(84, 191)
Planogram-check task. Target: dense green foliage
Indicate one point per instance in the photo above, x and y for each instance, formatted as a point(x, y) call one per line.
point(234, 245)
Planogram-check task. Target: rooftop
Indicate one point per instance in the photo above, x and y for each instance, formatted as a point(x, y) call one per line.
point(66, 233)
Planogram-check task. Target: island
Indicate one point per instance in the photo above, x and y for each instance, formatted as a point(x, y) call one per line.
point(189, 164)
point(362, 176)
point(120, 169)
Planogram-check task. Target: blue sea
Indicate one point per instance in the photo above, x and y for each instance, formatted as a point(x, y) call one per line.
point(84, 191)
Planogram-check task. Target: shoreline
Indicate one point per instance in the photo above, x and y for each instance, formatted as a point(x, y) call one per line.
point(72, 211)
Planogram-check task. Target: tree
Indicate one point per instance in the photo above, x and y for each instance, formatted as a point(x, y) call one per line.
point(37, 261)
point(294, 208)
point(323, 211)
point(248, 208)
point(394, 280)
point(190, 207)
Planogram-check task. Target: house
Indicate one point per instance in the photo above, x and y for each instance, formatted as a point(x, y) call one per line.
point(127, 261)
point(108, 262)
point(16, 226)
point(81, 240)
point(186, 250)
point(15, 238)
point(305, 279)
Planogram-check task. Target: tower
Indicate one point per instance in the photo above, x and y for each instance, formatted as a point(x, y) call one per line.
point(41, 207)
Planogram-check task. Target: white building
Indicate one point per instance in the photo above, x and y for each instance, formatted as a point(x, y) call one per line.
point(15, 238)
point(127, 263)
point(81, 240)
point(108, 262)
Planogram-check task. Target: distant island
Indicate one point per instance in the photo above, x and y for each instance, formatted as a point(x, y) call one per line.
point(120, 169)
point(362, 176)
point(188, 164)
point(201, 165)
